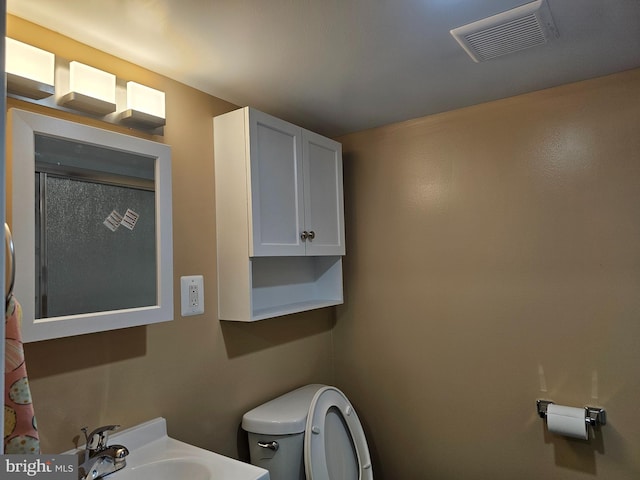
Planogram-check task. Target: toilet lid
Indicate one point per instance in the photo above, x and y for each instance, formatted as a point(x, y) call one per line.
point(335, 447)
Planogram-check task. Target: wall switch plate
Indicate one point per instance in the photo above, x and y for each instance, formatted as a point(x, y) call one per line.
point(192, 295)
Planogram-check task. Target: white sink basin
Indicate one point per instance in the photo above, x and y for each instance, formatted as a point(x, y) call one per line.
point(153, 455)
point(171, 468)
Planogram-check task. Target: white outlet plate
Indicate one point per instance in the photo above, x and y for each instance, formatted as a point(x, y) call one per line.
point(192, 295)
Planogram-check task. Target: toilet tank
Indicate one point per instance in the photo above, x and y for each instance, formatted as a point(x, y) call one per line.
point(283, 421)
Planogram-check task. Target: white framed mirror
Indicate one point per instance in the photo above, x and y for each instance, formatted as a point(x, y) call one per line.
point(92, 227)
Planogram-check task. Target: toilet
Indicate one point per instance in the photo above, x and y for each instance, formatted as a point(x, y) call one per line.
point(312, 433)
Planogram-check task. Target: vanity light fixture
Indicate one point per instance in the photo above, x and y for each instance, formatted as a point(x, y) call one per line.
point(40, 77)
point(90, 90)
point(145, 106)
point(30, 70)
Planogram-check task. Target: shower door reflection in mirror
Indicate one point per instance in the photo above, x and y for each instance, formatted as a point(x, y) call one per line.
point(95, 229)
point(92, 226)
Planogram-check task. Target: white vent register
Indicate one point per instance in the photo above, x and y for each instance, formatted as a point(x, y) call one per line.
point(527, 26)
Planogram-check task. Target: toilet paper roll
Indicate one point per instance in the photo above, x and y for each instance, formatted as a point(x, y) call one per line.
point(568, 421)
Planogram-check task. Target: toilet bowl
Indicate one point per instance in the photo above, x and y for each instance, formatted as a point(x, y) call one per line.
point(312, 433)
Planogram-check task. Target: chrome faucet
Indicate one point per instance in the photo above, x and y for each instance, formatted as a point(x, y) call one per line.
point(100, 459)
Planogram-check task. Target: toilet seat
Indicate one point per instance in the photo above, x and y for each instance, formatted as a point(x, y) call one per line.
point(333, 422)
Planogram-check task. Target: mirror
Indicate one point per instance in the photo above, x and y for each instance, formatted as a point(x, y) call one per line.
point(91, 217)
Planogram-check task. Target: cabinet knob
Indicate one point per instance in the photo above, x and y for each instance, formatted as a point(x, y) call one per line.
point(307, 235)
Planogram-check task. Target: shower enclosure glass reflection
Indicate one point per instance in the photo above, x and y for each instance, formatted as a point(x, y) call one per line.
point(95, 228)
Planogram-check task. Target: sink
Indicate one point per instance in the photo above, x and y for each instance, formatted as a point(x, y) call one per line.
point(153, 455)
point(177, 468)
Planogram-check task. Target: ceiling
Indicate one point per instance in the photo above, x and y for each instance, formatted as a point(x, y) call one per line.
point(338, 66)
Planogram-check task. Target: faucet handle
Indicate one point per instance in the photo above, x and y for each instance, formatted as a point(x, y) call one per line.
point(97, 439)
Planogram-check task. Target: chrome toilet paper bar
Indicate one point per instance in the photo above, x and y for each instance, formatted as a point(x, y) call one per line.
point(593, 416)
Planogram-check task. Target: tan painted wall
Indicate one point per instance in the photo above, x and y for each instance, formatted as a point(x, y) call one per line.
point(199, 373)
point(494, 259)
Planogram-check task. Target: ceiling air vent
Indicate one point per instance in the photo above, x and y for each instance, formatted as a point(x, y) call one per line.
point(523, 27)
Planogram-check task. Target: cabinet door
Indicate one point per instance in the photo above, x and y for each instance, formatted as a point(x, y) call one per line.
point(324, 201)
point(277, 208)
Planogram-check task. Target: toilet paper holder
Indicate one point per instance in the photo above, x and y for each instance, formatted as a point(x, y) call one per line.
point(593, 416)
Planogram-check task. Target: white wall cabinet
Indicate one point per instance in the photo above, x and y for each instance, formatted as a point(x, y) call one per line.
point(279, 217)
point(296, 189)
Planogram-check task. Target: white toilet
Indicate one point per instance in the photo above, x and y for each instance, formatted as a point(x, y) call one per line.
point(311, 433)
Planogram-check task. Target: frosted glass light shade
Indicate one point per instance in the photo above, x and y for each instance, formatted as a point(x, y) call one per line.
point(92, 82)
point(145, 99)
point(30, 70)
point(90, 89)
point(145, 107)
